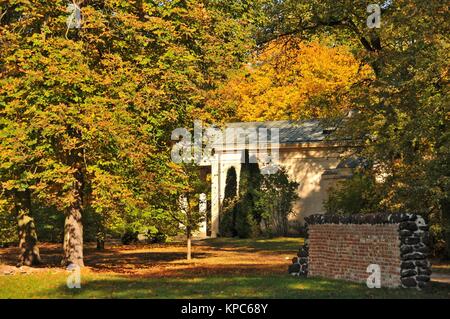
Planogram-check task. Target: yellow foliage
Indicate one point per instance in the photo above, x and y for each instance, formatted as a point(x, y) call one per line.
point(291, 80)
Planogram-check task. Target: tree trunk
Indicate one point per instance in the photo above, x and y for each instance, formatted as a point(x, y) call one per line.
point(100, 240)
point(189, 243)
point(29, 252)
point(73, 226)
point(73, 238)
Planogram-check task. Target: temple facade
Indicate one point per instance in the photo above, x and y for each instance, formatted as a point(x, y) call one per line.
point(311, 158)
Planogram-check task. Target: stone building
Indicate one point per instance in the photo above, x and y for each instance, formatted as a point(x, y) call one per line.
point(311, 157)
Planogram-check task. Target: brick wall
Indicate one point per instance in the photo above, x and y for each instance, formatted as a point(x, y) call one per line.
point(342, 247)
point(344, 251)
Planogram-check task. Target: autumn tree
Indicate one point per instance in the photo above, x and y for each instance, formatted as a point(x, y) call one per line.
point(185, 202)
point(291, 79)
point(94, 106)
point(402, 111)
point(16, 159)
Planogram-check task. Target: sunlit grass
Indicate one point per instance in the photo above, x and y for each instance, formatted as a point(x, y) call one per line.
point(270, 244)
point(221, 268)
point(53, 285)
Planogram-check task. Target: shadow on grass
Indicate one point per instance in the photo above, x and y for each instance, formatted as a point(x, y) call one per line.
point(118, 262)
point(50, 256)
point(108, 259)
point(235, 287)
point(190, 270)
point(143, 256)
point(280, 245)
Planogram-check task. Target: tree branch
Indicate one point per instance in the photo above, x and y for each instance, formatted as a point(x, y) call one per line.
point(2, 14)
point(372, 46)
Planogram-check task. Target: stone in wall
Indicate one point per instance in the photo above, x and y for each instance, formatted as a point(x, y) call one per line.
point(299, 265)
point(414, 250)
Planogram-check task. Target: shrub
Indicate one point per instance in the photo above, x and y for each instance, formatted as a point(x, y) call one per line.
point(156, 237)
point(248, 215)
point(227, 223)
point(353, 196)
point(130, 237)
point(8, 229)
point(262, 205)
point(275, 201)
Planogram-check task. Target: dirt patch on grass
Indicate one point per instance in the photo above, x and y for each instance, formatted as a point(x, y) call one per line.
point(167, 260)
point(7, 270)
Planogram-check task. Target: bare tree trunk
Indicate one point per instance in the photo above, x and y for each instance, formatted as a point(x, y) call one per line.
point(29, 252)
point(73, 226)
point(189, 243)
point(73, 238)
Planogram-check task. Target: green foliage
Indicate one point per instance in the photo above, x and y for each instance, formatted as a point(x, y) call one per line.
point(262, 205)
point(8, 228)
point(50, 224)
point(353, 196)
point(275, 201)
point(248, 215)
point(152, 230)
point(240, 215)
point(227, 224)
point(402, 118)
point(86, 114)
point(181, 203)
point(129, 237)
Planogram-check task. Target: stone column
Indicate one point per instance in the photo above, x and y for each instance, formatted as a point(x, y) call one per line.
point(203, 205)
point(215, 196)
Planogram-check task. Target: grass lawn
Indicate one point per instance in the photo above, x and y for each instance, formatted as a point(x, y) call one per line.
point(221, 268)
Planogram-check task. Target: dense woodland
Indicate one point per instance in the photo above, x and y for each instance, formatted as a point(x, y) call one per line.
point(86, 114)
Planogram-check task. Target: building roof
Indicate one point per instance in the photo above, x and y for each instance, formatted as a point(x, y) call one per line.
point(290, 132)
